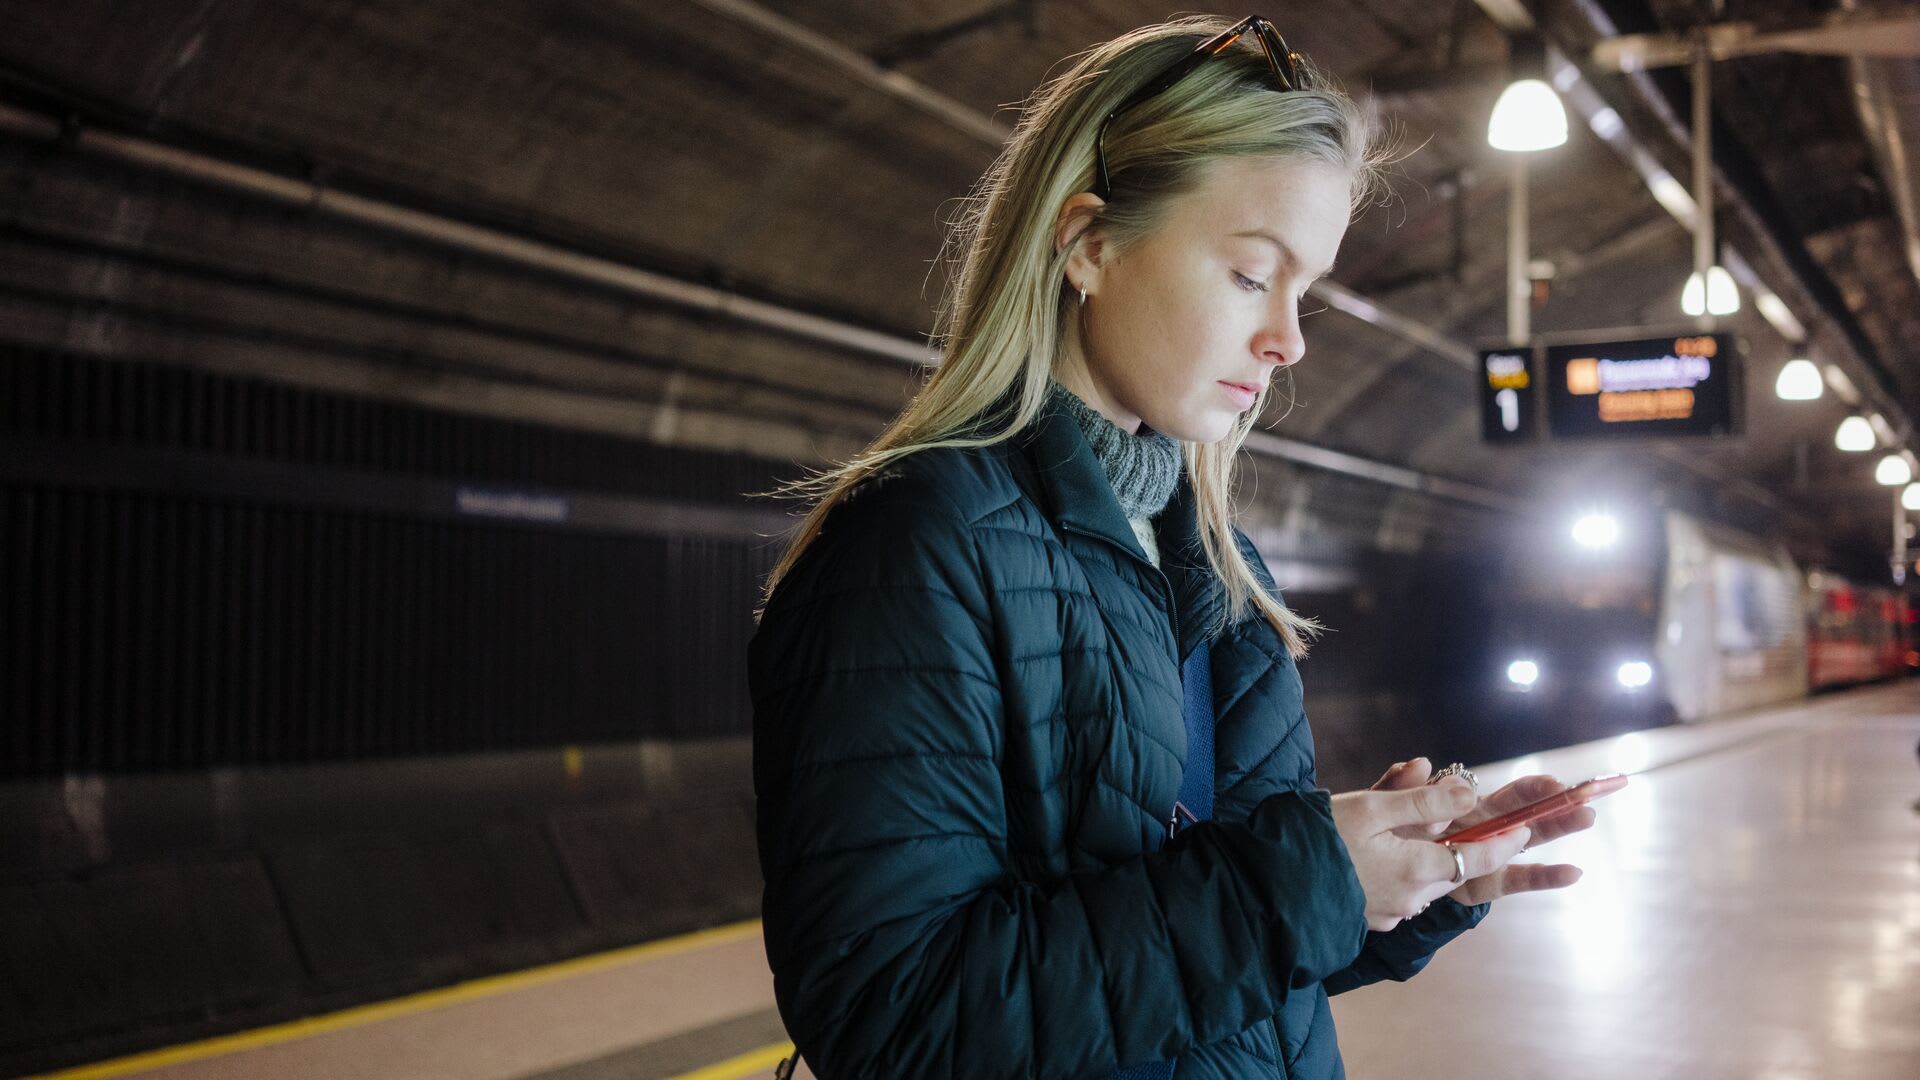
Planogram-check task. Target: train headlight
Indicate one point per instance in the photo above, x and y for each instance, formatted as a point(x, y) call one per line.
point(1523, 673)
point(1634, 674)
point(1596, 531)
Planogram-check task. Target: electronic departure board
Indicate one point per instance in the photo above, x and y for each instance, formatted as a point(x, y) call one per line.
point(1654, 387)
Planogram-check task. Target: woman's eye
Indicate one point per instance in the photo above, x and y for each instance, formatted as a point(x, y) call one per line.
point(1248, 284)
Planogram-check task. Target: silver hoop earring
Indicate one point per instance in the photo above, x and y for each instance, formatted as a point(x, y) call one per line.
point(1083, 294)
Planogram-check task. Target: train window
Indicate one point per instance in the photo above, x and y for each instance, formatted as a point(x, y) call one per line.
point(1757, 604)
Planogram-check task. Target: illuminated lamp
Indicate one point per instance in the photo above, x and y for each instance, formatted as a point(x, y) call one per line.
point(1893, 471)
point(1529, 115)
point(1799, 381)
point(1855, 435)
point(1719, 296)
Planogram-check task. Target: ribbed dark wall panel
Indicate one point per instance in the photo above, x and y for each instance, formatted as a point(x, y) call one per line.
point(122, 402)
point(156, 630)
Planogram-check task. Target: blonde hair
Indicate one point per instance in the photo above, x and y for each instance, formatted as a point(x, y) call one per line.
point(1001, 318)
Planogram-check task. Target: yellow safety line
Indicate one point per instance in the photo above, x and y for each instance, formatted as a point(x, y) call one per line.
point(409, 1005)
point(733, 1068)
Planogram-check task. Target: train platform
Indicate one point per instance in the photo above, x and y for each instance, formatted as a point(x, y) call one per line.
point(1750, 909)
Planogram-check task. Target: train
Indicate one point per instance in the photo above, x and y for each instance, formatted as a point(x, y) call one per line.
point(1857, 633)
point(1625, 622)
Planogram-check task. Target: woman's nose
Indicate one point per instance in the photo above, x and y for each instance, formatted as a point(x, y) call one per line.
point(1281, 345)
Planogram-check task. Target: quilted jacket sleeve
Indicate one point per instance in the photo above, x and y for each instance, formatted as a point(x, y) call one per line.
point(900, 941)
point(1398, 954)
point(1401, 952)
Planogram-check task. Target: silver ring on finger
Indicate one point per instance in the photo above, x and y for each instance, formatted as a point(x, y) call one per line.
point(1459, 863)
point(1459, 770)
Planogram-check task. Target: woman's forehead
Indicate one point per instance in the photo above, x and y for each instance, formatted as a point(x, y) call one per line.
point(1265, 185)
point(1298, 206)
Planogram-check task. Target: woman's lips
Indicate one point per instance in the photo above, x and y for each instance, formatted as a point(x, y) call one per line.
point(1242, 393)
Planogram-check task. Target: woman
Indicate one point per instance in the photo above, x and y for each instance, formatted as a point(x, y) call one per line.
point(1036, 791)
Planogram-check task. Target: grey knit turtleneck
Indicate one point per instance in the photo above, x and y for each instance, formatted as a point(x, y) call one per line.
point(1144, 469)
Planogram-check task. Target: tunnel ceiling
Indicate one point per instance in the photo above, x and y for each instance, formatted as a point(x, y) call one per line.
point(673, 136)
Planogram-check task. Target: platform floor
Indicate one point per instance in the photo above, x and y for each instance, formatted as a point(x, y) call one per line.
point(1751, 910)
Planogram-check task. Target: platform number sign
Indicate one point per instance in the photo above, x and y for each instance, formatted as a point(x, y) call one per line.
point(1507, 395)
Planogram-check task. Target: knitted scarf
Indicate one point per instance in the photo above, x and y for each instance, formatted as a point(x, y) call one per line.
point(1144, 469)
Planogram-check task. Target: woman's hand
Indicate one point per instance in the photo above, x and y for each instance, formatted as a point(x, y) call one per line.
point(1402, 875)
point(1514, 878)
point(1525, 877)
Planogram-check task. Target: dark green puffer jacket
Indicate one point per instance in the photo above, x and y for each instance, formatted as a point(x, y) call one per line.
point(967, 741)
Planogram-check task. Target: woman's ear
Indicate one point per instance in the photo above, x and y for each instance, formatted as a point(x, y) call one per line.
point(1076, 222)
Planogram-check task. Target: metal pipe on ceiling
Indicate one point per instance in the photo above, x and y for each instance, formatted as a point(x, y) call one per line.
point(1398, 476)
point(884, 80)
point(1405, 327)
point(495, 244)
point(1848, 32)
point(1703, 259)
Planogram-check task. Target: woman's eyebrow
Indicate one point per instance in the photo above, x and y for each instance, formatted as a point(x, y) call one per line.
point(1286, 252)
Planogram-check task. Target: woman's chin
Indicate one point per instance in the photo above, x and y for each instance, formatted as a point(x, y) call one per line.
point(1204, 425)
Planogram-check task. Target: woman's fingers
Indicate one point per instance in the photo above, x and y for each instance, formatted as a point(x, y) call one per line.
point(1481, 857)
point(1483, 860)
point(1428, 804)
point(1575, 820)
point(1531, 789)
point(1404, 871)
point(1490, 872)
point(1535, 877)
point(1406, 774)
point(1516, 878)
point(1513, 796)
point(1403, 777)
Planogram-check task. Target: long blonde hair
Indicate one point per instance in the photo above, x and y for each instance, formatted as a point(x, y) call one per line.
point(1001, 319)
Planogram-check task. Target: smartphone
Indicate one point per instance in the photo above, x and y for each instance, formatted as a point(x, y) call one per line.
point(1578, 795)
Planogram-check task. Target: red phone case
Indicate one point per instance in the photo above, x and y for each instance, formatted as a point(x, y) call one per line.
point(1578, 795)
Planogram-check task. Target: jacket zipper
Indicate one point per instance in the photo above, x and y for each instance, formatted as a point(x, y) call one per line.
point(1159, 577)
point(1173, 627)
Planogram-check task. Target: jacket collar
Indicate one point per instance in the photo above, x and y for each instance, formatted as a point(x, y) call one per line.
point(1074, 491)
point(1073, 488)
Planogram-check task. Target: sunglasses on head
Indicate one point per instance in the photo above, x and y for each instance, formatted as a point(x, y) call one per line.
point(1282, 62)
